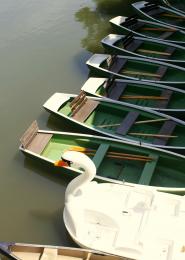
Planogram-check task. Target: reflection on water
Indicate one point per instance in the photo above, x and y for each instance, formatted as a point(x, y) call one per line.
point(41, 53)
point(96, 21)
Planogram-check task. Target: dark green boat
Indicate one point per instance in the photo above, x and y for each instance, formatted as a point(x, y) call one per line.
point(161, 14)
point(148, 29)
point(134, 68)
point(161, 98)
point(177, 5)
point(115, 160)
point(122, 121)
point(143, 47)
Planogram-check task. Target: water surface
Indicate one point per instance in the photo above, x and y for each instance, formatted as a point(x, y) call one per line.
point(43, 49)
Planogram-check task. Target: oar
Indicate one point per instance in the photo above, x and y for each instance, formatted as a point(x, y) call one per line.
point(137, 122)
point(158, 29)
point(89, 150)
point(151, 121)
point(174, 16)
point(154, 135)
point(154, 52)
point(131, 72)
point(143, 97)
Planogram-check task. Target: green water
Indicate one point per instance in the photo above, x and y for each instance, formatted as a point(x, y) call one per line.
point(43, 49)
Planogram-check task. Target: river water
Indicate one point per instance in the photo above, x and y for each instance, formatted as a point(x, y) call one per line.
point(44, 45)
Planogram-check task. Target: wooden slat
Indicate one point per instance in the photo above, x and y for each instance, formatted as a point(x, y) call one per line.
point(85, 110)
point(39, 142)
point(79, 97)
point(29, 134)
point(117, 90)
point(127, 123)
point(166, 129)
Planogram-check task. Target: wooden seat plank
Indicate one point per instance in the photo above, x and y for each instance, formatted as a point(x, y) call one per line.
point(84, 112)
point(165, 35)
point(166, 129)
point(164, 103)
point(117, 64)
point(117, 90)
point(148, 171)
point(127, 123)
point(161, 71)
point(39, 142)
point(134, 45)
point(100, 154)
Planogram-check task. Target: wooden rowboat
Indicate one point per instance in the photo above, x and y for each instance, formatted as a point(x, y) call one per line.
point(162, 14)
point(177, 5)
point(116, 161)
point(122, 121)
point(134, 68)
point(148, 29)
point(143, 47)
point(161, 98)
point(21, 251)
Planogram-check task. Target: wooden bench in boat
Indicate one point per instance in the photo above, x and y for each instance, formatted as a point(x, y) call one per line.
point(167, 95)
point(34, 141)
point(127, 123)
point(132, 23)
point(82, 107)
point(166, 129)
point(161, 71)
point(116, 64)
point(152, 9)
point(165, 35)
point(129, 43)
point(117, 90)
point(148, 170)
point(100, 154)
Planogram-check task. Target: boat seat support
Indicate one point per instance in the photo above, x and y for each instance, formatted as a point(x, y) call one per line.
point(127, 123)
point(116, 64)
point(164, 103)
point(117, 90)
point(100, 154)
point(166, 129)
point(148, 170)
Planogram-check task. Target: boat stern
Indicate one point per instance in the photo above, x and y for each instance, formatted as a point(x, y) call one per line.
point(92, 85)
point(55, 101)
point(111, 39)
point(96, 60)
point(118, 20)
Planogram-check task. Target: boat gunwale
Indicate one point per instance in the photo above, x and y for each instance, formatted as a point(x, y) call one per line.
point(113, 46)
point(141, 4)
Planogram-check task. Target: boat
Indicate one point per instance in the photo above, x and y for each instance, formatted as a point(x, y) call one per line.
point(160, 14)
point(23, 251)
point(143, 47)
point(138, 223)
point(122, 121)
point(177, 5)
point(164, 99)
point(149, 29)
point(134, 68)
point(116, 161)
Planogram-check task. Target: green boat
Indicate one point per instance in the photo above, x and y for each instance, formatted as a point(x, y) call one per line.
point(134, 68)
point(122, 121)
point(177, 5)
point(161, 14)
point(161, 98)
point(148, 29)
point(143, 47)
point(116, 161)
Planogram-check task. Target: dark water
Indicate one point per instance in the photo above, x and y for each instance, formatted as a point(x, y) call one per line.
point(43, 49)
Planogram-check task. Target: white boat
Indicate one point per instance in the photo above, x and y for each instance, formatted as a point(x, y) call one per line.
point(138, 223)
point(22, 251)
